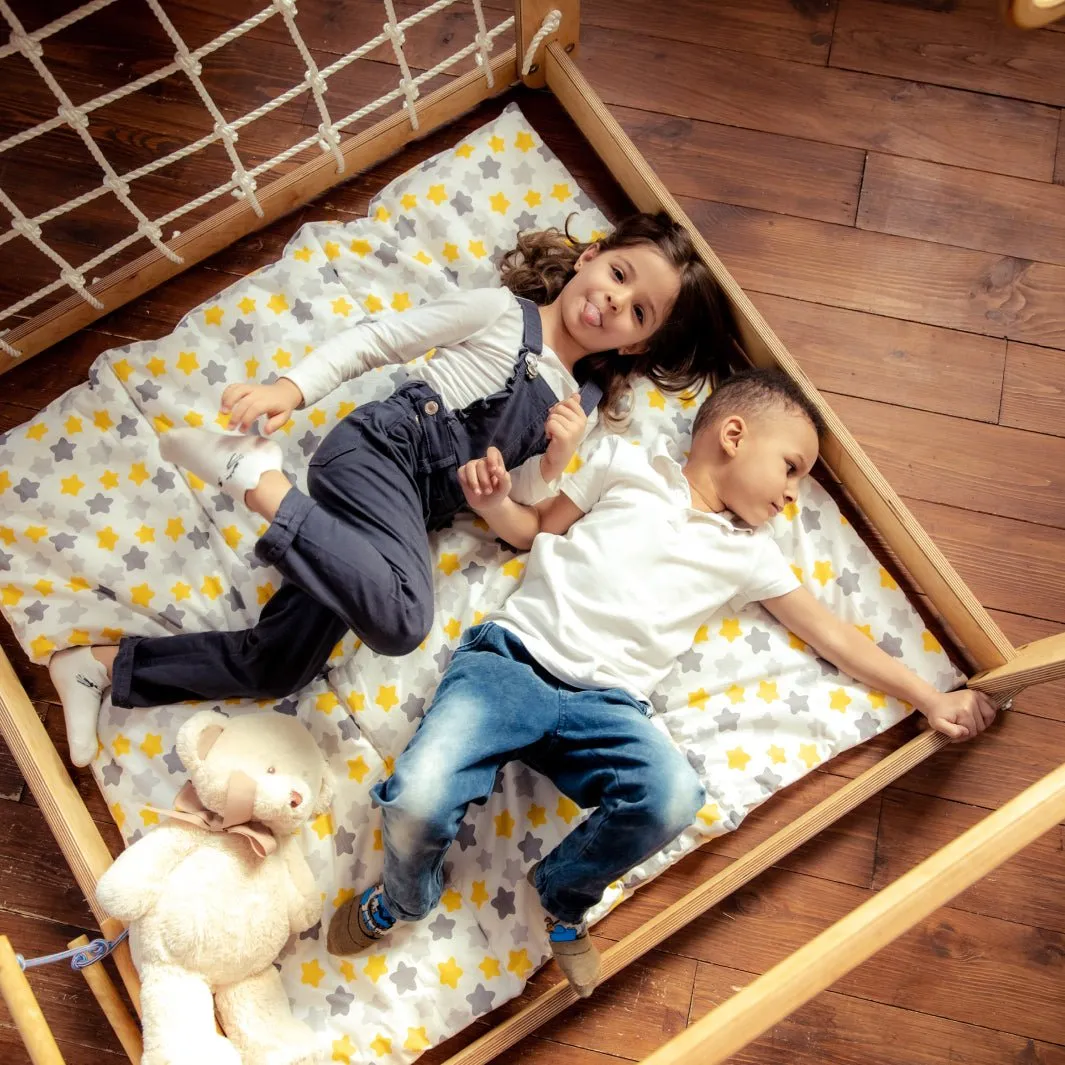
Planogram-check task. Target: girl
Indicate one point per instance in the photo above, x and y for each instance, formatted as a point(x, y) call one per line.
point(520, 368)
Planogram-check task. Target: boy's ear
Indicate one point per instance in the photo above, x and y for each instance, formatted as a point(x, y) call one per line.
point(733, 430)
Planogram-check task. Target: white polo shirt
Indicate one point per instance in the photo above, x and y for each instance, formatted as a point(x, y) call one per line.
point(616, 600)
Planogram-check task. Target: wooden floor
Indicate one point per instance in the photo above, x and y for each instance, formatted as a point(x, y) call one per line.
point(887, 181)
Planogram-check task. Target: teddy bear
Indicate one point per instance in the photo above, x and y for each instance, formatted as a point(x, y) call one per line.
point(212, 894)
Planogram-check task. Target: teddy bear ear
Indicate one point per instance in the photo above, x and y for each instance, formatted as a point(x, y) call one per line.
point(325, 792)
point(198, 735)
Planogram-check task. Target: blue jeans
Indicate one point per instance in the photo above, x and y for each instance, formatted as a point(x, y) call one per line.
point(496, 704)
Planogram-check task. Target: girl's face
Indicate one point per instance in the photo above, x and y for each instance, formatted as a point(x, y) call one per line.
point(618, 298)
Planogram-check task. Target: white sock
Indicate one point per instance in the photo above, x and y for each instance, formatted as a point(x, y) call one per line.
point(232, 461)
point(82, 682)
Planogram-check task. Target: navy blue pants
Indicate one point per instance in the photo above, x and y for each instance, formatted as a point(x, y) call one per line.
point(355, 555)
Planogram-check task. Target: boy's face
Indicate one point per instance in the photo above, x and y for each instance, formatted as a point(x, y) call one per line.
point(766, 456)
point(619, 298)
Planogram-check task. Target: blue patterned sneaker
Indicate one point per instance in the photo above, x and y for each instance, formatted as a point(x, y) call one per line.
point(575, 953)
point(360, 922)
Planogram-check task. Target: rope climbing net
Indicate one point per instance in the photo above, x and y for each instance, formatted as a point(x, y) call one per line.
point(243, 182)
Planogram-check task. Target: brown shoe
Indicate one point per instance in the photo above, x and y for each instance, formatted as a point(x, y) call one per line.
point(353, 928)
point(579, 959)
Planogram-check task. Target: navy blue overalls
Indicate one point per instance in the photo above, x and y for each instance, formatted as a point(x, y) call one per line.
point(355, 551)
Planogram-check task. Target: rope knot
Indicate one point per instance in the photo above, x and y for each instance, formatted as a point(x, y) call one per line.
point(116, 185)
point(149, 230)
point(328, 137)
point(27, 227)
point(286, 7)
point(26, 44)
point(73, 278)
point(316, 81)
point(226, 132)
point(73, 117)
point(245, 183)
point(395, 34)
point(191, 66)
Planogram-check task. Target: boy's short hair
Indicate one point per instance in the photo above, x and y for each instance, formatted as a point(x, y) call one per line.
point(754, 392)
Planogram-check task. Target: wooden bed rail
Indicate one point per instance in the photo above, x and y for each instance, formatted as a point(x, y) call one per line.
point(68, 819)
point(978, 634)
point(873, 925)
point(25, 1011)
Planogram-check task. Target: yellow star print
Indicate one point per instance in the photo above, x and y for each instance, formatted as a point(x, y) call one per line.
point(777, 755)
point(448, 563)
point(478, 895)
point(373, 304)
point(121, 745)
point(362, 248)
point(931, 644)
point(823, 572)
point(709, 814)
point(326, 703)
point(122, 371)
point(152, 745)
point(187, 362)
point(246, 305)
point(357, 768)
point(698, 698)
point(839, 700)
point(401, 301)
point(41, 646)
point(504, 824)
point(331, 249)
point(356, 701)
point(450, 252)
point(767, 691)
point(386, 697)
point(213, 315)
point(496, 144)
point(311, 972)
point(10, 595)
point(453, 629)
point(303, 254)
point(416, 1040)
point(735, 693)
point(232, 536)
point(450, 973)
point(518, 963)
point(499, 203)
point(102, 420)
point(107, 538)
point(513, 568)
point(341, 307)
point(381, 1046)
point(323, 825)
point(537, 816)
point(567, 809)
point(437, 194)
point(730, 629)
point(524, 142)
point(343, 1048)
point(181, 590)
point(142, 595)
point(211, 587)
point(561, 192)
point(533, 198)
point(477, 249)
point(886, 580)
point(277, 303)
point(464, 150)
point(738, 758)
point(808, 753)
point(490, 968)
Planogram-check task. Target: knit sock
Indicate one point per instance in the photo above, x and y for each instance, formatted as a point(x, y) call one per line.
point(232, 461)
point(360, 922)
point(576, 955)
point(81, 682)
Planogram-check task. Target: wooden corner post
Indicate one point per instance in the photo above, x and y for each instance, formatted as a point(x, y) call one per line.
point(529, 16)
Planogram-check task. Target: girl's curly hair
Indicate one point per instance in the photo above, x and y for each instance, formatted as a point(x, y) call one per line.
point(694, 344)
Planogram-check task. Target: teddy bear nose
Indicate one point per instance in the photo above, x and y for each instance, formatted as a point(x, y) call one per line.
point(295, 799)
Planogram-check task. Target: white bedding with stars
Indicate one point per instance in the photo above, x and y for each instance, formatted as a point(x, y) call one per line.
point(100, 537)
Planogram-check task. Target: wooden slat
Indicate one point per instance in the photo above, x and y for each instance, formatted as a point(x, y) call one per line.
point(1033, 389)
point(955, 288)
point(1042, 700)
point(821, 104)
point(799, 31)
point(24, 1008)
point(960, 463)
point(873, 357)
point(12, 1052)
point(766, 170)
point(966, 208)
point(835, 1029)
point(987, 772)
point(971, 48)
point(1029, 888)
point(68, 1004)
point(962, 966)
point(907, 904)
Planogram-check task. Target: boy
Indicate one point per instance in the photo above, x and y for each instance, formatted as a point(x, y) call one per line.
point(561, 675)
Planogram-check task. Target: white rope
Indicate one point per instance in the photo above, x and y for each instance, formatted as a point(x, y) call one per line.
point(58, 26)
point(243, 180)
point(406, 84)
point(78, 122)
point(484, 44)
point(552, 20)
point(193, 68)
point(327, 132)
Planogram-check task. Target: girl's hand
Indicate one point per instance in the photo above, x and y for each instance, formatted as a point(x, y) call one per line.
point(564, 429)
point(960, 715)
point(247, 402)
point(485, 482)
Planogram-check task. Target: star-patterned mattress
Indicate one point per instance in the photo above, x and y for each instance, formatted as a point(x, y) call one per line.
point(100, 537)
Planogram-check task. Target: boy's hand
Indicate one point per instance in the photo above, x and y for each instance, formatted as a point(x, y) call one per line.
point(960, 715)
point(247, 402)
point(485, 482)
point(564, 430)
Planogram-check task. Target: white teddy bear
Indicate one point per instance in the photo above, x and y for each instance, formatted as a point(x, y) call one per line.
point(214, 892)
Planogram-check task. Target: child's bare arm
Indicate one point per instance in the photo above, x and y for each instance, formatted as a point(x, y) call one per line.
point(486, 486)
point(959, 715)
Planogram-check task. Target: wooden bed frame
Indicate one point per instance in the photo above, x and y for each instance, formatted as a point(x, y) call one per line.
point(1004, 670)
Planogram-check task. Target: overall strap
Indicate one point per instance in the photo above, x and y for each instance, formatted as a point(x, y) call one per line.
point(532, 338)
point(591, 394)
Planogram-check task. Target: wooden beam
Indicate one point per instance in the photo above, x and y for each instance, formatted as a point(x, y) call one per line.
point(528, 17)
point(22, 1004)
point(114, 1009)
point(68, 820)
point(281, 196)
point(980, 637)
point(874, 924)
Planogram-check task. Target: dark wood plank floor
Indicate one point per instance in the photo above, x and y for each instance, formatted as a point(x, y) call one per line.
point(885, 179)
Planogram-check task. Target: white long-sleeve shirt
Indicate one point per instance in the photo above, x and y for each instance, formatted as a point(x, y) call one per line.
point(474, 336)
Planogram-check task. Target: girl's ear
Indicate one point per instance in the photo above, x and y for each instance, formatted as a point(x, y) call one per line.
point(635, 349)
point(589, 253)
